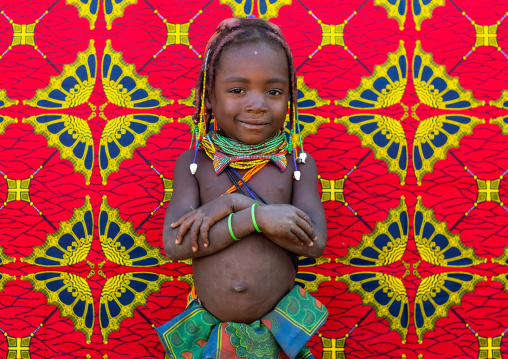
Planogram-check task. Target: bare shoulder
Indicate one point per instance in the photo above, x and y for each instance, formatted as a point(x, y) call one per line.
point(185, 185)
point(308, 173)
point(306, 197)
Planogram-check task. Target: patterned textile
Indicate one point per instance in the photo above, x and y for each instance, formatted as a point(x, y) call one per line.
point(402, 104)
point(238, 155)
point(282, 333)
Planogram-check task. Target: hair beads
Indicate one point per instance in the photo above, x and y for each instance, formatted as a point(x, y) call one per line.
point(236, 31)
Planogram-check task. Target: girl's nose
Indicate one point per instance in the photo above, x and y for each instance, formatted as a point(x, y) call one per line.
point(256, 103)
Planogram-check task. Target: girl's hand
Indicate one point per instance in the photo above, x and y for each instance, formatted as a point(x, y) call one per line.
point(284, 222)
point(200, 220)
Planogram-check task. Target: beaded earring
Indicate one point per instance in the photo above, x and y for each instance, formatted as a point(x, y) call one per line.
point(296, 123)
point(197, 126)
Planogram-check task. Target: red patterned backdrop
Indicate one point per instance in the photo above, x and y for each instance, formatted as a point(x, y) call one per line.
point(403, 104)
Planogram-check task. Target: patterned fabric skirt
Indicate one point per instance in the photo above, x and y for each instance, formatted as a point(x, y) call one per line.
point(282, 333)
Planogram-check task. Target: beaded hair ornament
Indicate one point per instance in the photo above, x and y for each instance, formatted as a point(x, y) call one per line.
point(237, 31)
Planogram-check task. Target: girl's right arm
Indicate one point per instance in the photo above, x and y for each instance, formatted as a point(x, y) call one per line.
point(183, 231)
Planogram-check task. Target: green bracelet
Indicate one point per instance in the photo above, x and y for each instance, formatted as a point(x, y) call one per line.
point(254, 217)
point(231, 228)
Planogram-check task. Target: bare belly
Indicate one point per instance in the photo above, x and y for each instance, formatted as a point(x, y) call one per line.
point(244, 281)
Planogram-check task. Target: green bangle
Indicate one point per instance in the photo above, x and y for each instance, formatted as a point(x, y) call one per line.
point(254, 217)
point(231, 228)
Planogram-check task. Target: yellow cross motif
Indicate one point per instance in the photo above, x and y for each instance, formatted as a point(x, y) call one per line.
point(333, 348)
point(168, 189)
point(488, 191)
point(23, 34)
point(490, 347)
point(18, 190)
point(486, 35)
point(332, 34)
point(178, 34)
point(332, 190)
point(19, 348)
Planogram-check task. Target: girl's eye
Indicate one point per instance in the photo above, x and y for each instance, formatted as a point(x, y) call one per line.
point(236, 91)
point(275, 92)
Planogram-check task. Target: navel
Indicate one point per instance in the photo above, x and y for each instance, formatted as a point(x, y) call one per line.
point(240, 287)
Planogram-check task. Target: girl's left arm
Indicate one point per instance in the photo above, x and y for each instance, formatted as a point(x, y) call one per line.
point(306, 197)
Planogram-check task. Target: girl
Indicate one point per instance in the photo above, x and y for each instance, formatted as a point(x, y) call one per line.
point(246, 208)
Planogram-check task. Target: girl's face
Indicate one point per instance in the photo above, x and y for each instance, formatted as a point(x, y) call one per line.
point(250, 95)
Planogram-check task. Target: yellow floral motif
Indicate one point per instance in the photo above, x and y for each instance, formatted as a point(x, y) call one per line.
point(75, 95)
point(501, 102)
point(267, 11)
point(436, 244)
point(89, 10)
point(113, 83)
point(55, 285)
point(385, 245)
point(5, 101)
point(126, 247)
point(5, 278)
point(6, 121)
point(422, 11)
point(114, 150)
point(435, 136)
point(435, 87)
point(391, 289)
point(79, 150)
point(393, 10)
point(384, 88)
point(385, 136)
point(70, 244)
point(436, 294)
point(126, 291)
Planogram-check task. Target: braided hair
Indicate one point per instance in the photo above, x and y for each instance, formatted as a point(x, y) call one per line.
point(236, 31)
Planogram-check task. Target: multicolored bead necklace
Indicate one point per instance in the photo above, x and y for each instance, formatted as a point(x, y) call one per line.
point(225, 151)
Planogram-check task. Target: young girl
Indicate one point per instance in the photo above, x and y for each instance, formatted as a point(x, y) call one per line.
point(244, 207)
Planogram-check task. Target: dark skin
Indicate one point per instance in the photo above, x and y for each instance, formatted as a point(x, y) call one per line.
point(241, 281)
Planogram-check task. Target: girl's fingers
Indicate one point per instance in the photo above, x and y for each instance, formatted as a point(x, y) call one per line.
point(194, 233)
point(184, 227)
point(183, 218)
point(302, 236)
point(304, 216)
point(308, 229)
point(203, 231)
point(294, 238)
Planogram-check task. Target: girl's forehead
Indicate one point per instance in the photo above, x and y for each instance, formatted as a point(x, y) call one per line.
point(267, 54)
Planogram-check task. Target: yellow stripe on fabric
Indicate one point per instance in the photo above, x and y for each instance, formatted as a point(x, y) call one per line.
point(298, 325)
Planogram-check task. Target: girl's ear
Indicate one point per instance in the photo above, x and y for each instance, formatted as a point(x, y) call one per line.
point(208, 103)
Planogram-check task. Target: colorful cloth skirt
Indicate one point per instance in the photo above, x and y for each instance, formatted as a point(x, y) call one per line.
point(282, 333)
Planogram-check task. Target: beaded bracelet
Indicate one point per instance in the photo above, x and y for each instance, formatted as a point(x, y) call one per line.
point(231, 228)
point(254, 217)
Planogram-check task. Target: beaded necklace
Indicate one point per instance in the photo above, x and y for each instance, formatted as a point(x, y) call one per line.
point(225, 151)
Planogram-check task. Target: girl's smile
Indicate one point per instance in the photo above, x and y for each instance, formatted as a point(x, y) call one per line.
point(250, 94)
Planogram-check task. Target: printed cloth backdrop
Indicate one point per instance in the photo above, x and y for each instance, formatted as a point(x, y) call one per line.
point(403, 104)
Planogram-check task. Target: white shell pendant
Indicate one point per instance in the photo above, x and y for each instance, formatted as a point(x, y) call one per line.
point(303, 157)
point(297, 174)
point(193, 168)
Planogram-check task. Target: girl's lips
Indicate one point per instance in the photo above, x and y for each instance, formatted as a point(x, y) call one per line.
point(253, 124)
